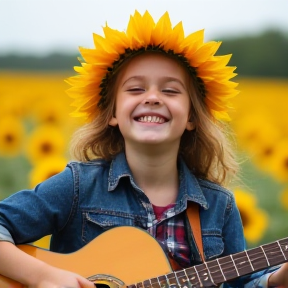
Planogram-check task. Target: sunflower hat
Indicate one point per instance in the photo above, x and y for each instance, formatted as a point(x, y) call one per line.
point(98, 65)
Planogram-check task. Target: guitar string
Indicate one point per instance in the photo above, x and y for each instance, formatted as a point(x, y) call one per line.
point(245, 265)
point(273, 249)
point(228, 269)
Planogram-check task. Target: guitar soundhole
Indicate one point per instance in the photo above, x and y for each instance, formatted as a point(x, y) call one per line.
point(101, 285)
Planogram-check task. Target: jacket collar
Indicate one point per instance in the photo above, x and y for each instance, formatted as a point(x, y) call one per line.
point(189, 187)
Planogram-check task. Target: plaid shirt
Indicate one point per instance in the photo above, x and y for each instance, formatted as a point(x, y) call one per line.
point(169, 230)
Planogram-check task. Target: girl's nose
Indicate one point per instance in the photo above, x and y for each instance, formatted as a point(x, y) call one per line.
point(152, 99)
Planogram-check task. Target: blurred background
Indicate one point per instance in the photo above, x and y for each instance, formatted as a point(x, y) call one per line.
point(39, 46)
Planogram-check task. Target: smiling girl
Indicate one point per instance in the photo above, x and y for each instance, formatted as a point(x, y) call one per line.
point(154, 143)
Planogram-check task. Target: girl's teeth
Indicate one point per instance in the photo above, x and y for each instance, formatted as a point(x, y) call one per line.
point(153, 119)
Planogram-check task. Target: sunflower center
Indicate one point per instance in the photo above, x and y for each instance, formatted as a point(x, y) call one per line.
point(244, 218)
point(268, 151)
point(9, 138)
point(286, 163)
point(46, 148)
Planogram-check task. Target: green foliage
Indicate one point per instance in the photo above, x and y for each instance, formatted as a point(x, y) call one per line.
point(264, 55)
point(14, 174)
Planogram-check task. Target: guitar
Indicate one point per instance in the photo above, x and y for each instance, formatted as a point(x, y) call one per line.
point(129, 256)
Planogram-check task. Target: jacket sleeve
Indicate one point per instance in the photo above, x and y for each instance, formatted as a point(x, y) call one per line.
point(29, 215)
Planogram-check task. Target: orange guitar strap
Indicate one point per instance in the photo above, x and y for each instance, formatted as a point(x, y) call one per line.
point(194, 220)
point(192, 212)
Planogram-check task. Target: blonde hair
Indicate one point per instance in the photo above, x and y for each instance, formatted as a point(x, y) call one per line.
point(205, 150)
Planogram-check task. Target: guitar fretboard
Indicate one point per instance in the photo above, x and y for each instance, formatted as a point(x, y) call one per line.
point(215, 272)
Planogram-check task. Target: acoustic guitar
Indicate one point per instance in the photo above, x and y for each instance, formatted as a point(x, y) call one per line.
point(130, 257)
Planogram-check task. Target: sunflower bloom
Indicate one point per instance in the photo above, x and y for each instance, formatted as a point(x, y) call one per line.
point(254, 219)
point(12, 134)
point(89, 87)
point(46, 169)
point(45, 141)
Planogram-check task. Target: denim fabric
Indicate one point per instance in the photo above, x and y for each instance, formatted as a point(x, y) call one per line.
point(86, 199)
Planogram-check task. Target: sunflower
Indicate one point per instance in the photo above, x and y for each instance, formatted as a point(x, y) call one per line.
point(45, 141)
point(12, 134)
point(254, 219)
point(46, 169)
point(89, 87)
point(48, 111)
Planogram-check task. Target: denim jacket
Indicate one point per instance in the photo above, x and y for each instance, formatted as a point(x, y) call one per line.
point(86, 199)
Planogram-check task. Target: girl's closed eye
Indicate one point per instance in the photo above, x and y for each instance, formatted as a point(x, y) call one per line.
point(136, 89)
point(170, 91)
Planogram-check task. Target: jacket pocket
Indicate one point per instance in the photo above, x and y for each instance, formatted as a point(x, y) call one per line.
point(95, 223)
point(213, 244)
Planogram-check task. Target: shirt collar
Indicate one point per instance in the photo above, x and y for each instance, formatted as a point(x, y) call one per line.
point(189, 187)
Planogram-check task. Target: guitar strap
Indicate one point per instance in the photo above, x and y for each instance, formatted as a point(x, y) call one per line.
point(193, 216)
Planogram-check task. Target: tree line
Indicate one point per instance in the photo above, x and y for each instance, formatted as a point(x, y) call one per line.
point(263, 55)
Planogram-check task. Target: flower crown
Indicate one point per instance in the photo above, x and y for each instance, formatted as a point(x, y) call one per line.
point(89, 87)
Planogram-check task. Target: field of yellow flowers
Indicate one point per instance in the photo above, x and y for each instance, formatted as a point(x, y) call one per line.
point(35, 130)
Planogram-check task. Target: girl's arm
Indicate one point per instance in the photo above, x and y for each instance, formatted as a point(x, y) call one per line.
point(25, 269)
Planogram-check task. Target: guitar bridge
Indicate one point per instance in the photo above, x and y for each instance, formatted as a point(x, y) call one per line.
point(105, 281)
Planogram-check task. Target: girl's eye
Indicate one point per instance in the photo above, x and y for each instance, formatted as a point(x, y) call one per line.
point(170, 91)
point(136, 89)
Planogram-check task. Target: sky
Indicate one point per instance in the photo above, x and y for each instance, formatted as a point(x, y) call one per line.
point(40, 27)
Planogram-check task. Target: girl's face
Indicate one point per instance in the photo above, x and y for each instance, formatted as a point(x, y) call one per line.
point(152, 101)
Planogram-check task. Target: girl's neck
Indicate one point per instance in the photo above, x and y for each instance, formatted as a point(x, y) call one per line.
point(156, 174)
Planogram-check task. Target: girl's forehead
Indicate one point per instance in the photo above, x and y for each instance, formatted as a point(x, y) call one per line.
point(151, 63)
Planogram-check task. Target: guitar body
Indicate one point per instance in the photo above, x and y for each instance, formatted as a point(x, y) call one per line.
point(129, 256)
point(127, 253)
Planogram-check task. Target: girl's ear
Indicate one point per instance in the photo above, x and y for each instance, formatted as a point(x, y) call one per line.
point(190, 126)
point(113, 122)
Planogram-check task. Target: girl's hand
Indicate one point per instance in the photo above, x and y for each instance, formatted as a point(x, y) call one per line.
point(280, 277)
point(51, 277)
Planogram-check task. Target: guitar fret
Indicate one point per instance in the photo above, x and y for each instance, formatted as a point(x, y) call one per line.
point(201, 284)
point(273, 253)
point(228, 268)
point(210, 276)
point(182, 278)
point(163, 281)
point(281, 250)
point(213, 267)
point(235, 266)
point(221, 269)
point(171, 280)
point(284, 246)
point(155, 283)
point(249, 260)
point(265, 255)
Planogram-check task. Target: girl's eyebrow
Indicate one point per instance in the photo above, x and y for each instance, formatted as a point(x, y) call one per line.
point(164, 79)
point(137, 77)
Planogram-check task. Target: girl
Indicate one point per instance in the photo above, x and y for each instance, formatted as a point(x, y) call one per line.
point(153, 144)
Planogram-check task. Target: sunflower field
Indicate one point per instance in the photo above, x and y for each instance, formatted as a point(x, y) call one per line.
point(35, 130)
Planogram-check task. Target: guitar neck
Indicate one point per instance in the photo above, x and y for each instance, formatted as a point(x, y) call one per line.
point(215, 272)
